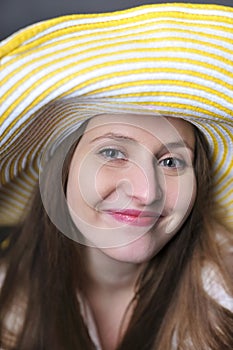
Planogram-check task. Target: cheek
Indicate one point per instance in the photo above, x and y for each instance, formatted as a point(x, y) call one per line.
point(107, 182)
point(180, 197)
point(94, 183)
point(180, 191)
point(87, 182)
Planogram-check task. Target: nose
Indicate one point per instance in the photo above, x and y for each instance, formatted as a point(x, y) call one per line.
point(144, 182)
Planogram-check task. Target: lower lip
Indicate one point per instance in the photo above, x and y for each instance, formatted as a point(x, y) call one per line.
point(134, 220)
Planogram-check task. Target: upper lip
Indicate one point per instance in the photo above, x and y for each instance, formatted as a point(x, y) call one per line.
point(134, 212)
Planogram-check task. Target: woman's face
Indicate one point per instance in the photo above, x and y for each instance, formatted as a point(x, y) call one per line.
point(131, 183)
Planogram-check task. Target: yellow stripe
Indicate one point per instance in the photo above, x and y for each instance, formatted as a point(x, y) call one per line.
point(224, 187)
point(84, 71)
point(38, 44)
point(173, 94)
point(80, 45)
point(31, 31)
point(113, 45)
point(214, 142)
point(230, 166)
point(154, 82)
point(181, 83)
point(26, 135)
point(50, 124)
point(42, 136)
point(176, 106)
point(229, 204)
point(228, 195)
point(15, 200)
point(29, 180)
point(11, 197)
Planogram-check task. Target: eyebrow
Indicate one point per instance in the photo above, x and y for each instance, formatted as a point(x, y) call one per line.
point(177, 144)
point(117, 137)
point(114, 136)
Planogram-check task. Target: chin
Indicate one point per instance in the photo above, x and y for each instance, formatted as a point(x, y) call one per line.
point(137, 252)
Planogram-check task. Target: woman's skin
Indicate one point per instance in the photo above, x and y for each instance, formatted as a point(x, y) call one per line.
point(131, 185)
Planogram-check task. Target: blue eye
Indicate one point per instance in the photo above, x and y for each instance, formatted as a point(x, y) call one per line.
point(112, 154)
point(171, 162)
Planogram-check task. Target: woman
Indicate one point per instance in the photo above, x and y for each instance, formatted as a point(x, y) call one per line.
point(121, 125)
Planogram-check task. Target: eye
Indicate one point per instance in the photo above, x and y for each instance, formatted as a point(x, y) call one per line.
point(172, 162)
point(112, 154)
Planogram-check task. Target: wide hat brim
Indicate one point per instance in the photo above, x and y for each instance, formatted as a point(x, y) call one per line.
point(171, 59)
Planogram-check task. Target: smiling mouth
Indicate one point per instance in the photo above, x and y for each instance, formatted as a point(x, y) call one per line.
point(134, 217)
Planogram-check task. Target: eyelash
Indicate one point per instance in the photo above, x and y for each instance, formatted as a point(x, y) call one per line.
point(104, 152)
point(181, 163)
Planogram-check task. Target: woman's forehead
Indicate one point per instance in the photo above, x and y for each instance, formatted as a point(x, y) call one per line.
point(167, 129)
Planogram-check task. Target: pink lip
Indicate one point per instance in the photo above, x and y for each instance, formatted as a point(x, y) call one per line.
point(134, 217)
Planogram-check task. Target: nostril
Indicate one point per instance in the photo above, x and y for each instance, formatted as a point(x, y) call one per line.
point(143, 184)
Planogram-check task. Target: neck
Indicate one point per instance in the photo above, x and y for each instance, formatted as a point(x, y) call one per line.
point(109, 274)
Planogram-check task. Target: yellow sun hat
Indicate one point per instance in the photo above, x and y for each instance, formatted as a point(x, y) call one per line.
point(173, 59)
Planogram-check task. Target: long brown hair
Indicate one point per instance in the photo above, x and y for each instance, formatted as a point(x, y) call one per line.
point(45, 269)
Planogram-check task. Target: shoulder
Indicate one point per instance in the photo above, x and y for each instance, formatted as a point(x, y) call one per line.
point(215, 287)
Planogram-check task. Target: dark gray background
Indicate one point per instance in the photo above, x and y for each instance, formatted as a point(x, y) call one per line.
point(15, 14)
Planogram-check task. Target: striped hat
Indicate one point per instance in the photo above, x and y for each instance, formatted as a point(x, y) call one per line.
point(172, 59)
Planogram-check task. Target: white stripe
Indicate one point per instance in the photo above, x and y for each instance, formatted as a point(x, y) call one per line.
point(102, 71)
point(71, 83)
point(81, 51)
point(141, 11)
point(159, 30)
point(225, 192)
point(9, 211)
point(12, 196)
point(85, 36)
point(101, 60)
point(81, 36)
point(220, 150)
point(180, 100)
point(197, 92)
